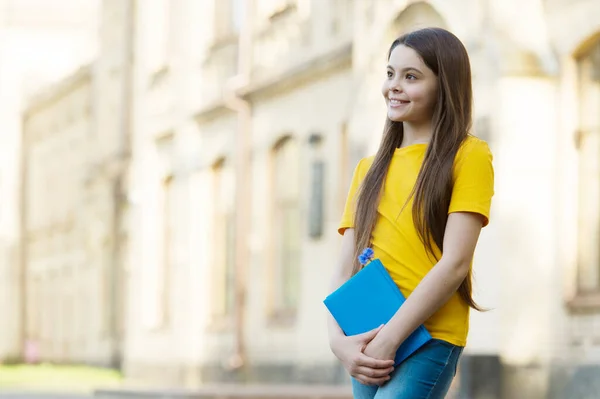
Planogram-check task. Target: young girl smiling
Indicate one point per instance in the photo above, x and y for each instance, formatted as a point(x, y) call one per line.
point(420, 203)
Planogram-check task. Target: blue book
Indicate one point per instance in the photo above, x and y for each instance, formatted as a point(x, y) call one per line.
point(369, 299)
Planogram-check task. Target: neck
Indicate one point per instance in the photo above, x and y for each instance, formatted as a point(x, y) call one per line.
point(416, 133)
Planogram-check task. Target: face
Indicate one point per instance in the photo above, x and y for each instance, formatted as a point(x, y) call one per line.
point(410, 87)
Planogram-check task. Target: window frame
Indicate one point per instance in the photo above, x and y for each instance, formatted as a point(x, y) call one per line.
point(586, 299)
point(278, 313)
point(223, 274)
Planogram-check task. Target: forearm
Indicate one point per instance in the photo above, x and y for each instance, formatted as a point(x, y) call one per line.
point(436, 288)
point(341, 274)
point(333, 327)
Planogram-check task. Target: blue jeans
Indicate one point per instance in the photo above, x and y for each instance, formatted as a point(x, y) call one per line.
point(426, 374)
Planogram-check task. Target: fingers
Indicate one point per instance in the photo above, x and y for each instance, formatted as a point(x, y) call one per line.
point(371, 381)
point(371, 376)
point(373, 373)
point(364, 360)
point(369, 335)
point(365, 338)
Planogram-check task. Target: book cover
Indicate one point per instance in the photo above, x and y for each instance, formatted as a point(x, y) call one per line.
point(369, 299)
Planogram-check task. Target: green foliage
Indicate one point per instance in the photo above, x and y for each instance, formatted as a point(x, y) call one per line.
point(56, 377)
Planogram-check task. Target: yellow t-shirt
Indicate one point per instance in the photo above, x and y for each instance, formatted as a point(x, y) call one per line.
point(395, 240)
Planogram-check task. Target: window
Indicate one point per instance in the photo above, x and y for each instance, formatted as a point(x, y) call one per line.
point(224, 241)
point(35, 307)
point(237, 14)
point(228, 18)
point(159, 235)
point(317, 187)
point(160, 28)
point(345, 171)
point(166, 261)
point(286, 227)
point(588, 66)
point(341, 14)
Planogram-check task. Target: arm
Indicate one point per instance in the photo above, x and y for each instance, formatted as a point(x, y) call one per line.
point(349, 349)
point(460, 239)
point(340, 275)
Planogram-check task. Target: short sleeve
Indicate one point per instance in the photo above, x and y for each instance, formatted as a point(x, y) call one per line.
point(347, 221)
point(473, 179)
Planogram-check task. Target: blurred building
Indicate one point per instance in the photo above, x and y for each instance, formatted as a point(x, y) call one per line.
point(284, 102)
point(60, 279)
point(233, 233)
point(240, 125)
point(76, 147)
point(40, 42)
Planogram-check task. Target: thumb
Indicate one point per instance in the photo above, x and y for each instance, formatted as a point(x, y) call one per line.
point(369, 335)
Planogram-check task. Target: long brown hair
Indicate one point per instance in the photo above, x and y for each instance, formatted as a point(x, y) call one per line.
point(446, 56)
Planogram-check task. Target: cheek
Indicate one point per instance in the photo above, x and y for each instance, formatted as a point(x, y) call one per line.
point(384, 89)
point(422, 95)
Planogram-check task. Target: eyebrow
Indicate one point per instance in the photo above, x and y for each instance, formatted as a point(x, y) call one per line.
point(406, 69)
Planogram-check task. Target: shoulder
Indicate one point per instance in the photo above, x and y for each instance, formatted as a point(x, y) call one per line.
point(473, 158)
point(473, 149)
point(364, 165)
point(368, 161)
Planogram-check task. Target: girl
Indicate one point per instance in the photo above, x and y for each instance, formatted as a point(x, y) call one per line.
point(420, 204)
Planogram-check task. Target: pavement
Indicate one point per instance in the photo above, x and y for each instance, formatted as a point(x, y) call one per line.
point(40, 395)
point(207, 392)
point(233, 391)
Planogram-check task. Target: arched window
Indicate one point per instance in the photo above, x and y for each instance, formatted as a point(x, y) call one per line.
point(588, 68)
point(223, 263)
point(286, 226)
point(166, 265)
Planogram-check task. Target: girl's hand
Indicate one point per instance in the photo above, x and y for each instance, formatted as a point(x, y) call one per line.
point(365, 369)
point(381, 348)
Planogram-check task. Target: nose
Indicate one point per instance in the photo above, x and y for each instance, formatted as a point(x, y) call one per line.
point(395, 86)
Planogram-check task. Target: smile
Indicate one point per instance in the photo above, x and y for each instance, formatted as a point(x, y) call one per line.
point(396, 103)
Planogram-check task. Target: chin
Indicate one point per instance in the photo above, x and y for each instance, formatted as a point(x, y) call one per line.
point(395, 117)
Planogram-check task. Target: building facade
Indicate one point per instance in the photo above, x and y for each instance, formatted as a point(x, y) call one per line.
point(76, 149)
point(59, 308)
point(240, 125)
point(40, 42)
point(244, 179)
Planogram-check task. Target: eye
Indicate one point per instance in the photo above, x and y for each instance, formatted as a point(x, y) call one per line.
point(410, 76)
point(390, 74)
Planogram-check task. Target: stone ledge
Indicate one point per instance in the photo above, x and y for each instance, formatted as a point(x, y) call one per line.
point(253, 374)
point(231, 391)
